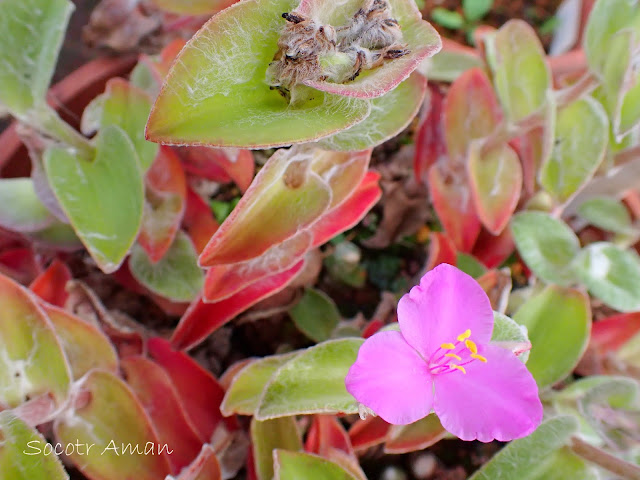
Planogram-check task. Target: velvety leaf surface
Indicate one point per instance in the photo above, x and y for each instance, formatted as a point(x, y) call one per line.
point(84, 345)
point(103, 198)
point(420, 37)
point(558, 321)
point(108, 416)
point(507, 333)
point(521, 73)
point(165, 203)
point(292, 466)
point(580, 145)
point(27, 213)
point(529, 457)
point(22, 455)
point(611, 274)
point(312, 382)
point(495, 178)
point(606, 213)
point(243, 395)
point(547, 245)
point(176, 276)
point(315, 315)
point(32, 361)
point(269, 435)
point(228, 103)
point(28, 60)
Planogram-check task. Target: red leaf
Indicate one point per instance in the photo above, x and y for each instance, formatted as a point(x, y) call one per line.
point(611, 333)
point(20, 264)
point(368, 432)
point(205, 467)
point(493, 250)
point(50, 284)
point(202, 319)
point(198, 221)
point(441, 250)
point(156, 393)
point(430, 142)
point(198, 391)
point(326, 434)
point(220, 164)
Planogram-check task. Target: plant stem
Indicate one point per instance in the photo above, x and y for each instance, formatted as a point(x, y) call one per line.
point(48, 121)
point(605, 460)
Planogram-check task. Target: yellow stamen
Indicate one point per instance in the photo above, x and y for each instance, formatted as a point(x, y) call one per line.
point(464, 336)
point(452, 355)
point(479, 357)
point(447, 346)
point(470, 344)
point(458, 367)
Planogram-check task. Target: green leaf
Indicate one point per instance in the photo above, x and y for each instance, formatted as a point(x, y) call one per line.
point(216, 93)
point(521, 74)
point(558, 321)
point(606, 213)
point(175, 276)
point(103, 198)
point(507, 333)
point(32, 362)
point(530, 458)
point(547, 245)
point(27, 213)
point(269, 435)
point(448, 65)
point(22, 454)
point(416, 436)
point(295, 465)
point(390, 114)
point(316, 315)
point(581, 142)
point(447, 18)
point(470, 265)
point(31, 33)
point(474, 10)
point(612, 274)
point(312, 382)
point(243, 395)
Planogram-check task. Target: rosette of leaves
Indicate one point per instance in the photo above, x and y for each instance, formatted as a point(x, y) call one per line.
point(267, 73)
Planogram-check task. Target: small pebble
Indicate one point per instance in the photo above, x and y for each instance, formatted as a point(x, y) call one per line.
point(393, 473)
point(424, 465)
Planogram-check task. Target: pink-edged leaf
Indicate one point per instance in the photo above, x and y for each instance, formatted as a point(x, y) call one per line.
point(157, 394)
point(421, 39)
point(369, 432)
point(193, 7)
point(611, 333)
point(268, 435)
point(348, 213)
point(201, 319)
point(198, 391)
point(416, 436)
point(453, 203)
point(290, 193)
point(204, 467)
point(471, 111)
point(32, 361)
point(166, 192)
point(106, 415)
point(493, 250)
point(50, 284)
point(198, 221)
point(495, 180)
point(220, 164)
point(441, 250)
point(222, 281)
point(85, 346)
point(430, 138)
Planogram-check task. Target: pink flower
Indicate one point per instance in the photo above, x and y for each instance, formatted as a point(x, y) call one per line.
point(442, 360)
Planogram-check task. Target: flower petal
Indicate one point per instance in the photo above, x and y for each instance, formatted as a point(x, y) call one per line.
point(391, 378)
point(494, 400)
point(445, 304)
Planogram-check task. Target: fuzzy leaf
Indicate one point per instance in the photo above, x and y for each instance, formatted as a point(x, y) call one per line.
point(293, 466)
point(27, 213)
point(547, 245)
point(316, 315)
point(559, 323)
point(580, 145)
point(268, 435)
point(611, 274)
point(606, 213)
point(312, 382)
point(507, 333)
point(103, 198)
point(31, 34)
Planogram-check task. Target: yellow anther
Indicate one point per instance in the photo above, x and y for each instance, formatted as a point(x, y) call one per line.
point(464, 336)
point(447, 346)
point(452, 355)
point(470, 344)
point(458, 367)
point(479, 357)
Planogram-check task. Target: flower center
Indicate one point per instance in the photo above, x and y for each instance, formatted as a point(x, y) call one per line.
point(463, 351)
